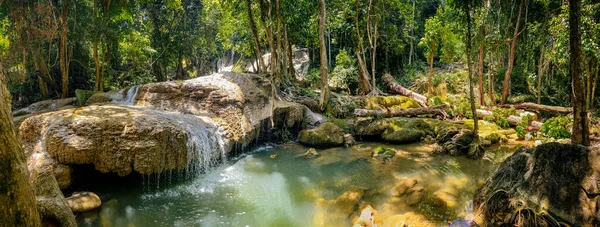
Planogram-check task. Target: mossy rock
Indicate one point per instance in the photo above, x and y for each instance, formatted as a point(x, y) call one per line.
point(404, 131)
point(391, 102)
point(493, 138)
point(83, 96)
point(325, 135)
point(384, 153)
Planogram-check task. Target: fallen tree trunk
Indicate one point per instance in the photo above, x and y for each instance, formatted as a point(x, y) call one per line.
point(396, 88)
point(539, 107)
point(434, 111)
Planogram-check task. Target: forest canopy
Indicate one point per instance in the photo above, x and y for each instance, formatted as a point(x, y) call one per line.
point(48, 49)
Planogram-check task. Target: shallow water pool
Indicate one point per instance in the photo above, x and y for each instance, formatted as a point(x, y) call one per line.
point(275, 186)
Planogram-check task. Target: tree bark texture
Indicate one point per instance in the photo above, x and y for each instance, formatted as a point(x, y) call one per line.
point(581, 130)
point(323, 56)
point(17, 201)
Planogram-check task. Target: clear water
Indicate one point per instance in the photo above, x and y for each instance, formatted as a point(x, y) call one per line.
point(257, 190)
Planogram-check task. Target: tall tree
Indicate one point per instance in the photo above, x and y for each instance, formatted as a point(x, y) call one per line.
point(17, 201)
point(63, 49)
point(259, 59)
point(580, 122)
point(511, 56)
point(323, 55)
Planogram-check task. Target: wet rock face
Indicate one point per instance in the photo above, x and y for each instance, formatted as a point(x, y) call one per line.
point(396, 130)
point(325, 135)
point(558, 178)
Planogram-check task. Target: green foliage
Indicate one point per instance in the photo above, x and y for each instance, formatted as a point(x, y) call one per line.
point(557, 127)
point(313, 76)
point(520, 131)
point(345, 73)
point(502, 122)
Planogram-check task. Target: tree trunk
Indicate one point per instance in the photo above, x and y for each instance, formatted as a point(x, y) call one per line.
point(433, 111)
point(511, 57)
point(581, 130)
point(595, 83)
point(481, 62)
point(362, 65)
point(541, 67)
point(259, 59)
point(396, 88)
point(291, 59)
point(589, 83)
point(285, 54)
point(430, 82)
point(64, 65)
point(17, 200)
point(467, 9)
point(324, 81)
point(542, 108)
point(363, 74)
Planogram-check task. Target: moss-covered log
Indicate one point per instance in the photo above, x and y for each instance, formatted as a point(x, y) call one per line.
point(396, 88)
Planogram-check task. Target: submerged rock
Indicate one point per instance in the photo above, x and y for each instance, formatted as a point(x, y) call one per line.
point(407, 220)
point(84, 201)
point(311, 153)
point(552, 178)
point(366, 218)
point(325, 135)
point(403, 186)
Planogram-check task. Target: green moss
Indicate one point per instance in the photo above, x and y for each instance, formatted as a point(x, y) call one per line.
point(391, 102)
point(83, 96)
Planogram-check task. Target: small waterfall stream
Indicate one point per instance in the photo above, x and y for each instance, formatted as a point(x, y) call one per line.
point(129, 100)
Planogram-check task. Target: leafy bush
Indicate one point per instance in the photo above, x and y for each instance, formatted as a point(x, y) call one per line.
point(502, 122)
point(313, 76)
point(500, 115)
point(557, 127)
point(520, 131)
point(345, 73)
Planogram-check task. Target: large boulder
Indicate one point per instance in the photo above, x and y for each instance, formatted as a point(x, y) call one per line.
point(325, 135)
point(397, 130)
point(552, 179)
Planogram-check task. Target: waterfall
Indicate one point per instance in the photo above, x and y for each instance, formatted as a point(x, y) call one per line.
point(206, 144)
point(129, 100)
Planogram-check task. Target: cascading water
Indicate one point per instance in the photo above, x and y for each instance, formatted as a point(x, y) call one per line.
point(129, 100)
point(207, 143)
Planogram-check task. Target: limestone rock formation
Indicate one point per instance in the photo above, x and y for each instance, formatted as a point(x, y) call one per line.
point(325, 135)
point(552, 179)
point(113, 138)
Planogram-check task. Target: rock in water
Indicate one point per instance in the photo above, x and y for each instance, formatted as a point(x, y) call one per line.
point(311, 153)
point(84, 201)
point(325, 135)
point(560, 179)
point(366, 218)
